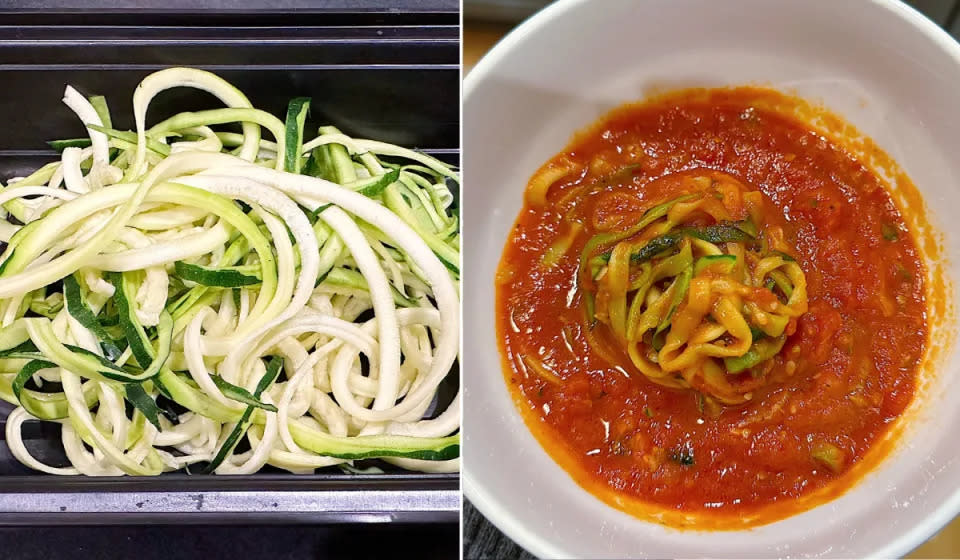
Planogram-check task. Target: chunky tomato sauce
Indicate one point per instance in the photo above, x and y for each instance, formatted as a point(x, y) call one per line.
point(845, 374)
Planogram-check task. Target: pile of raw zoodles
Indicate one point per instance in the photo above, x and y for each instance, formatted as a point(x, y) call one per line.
point(181, 296)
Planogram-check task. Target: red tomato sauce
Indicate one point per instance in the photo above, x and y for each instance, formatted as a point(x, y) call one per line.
point(855, 354)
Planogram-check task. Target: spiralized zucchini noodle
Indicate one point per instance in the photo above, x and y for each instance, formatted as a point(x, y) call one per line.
point(693, 292)
point(182, 296)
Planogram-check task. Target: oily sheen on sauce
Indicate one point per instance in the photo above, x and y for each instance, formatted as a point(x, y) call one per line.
point(845, 373)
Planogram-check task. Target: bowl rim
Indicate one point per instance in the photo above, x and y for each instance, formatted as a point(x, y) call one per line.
point(485, 501)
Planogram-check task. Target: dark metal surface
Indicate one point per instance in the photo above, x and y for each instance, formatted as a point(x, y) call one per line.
point(298, 542)
point(317, 505)
point(285, 13)
point(483, 541)
point(178, 498)
point(252, 6)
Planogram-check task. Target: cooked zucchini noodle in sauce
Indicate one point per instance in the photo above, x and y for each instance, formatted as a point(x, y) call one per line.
point(183, 295)
point(694, 291)
point(709, 312)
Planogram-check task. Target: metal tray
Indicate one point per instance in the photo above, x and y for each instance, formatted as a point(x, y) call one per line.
point(376, 69)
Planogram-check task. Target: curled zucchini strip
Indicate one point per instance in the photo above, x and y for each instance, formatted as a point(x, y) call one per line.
point(176, 293)
point(707, 307)
point(187, 77)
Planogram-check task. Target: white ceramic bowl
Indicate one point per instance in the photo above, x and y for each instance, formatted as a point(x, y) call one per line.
point(880, 64)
